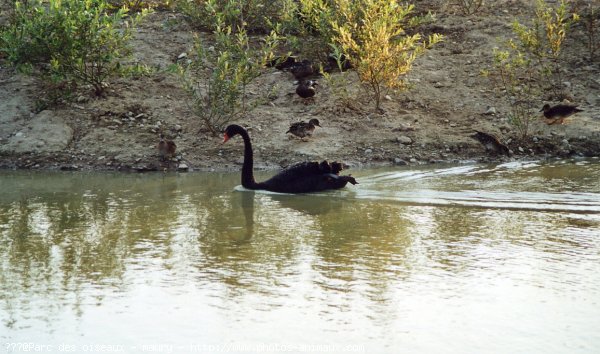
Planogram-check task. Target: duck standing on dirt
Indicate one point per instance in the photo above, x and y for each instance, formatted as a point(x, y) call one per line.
point(166, 148)
point(307, 89)
point(303, 129)
point(282, 63)
point(302, 70)
point(491, 143)
point(557, 114)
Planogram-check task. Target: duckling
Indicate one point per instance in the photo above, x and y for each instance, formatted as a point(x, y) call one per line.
point(166, 148)
point(557, 114)
point(307, 89)
point(491, 143)
point(302, 69)
point(303, 129)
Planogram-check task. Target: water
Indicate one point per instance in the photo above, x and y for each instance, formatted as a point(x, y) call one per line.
point(458, 259)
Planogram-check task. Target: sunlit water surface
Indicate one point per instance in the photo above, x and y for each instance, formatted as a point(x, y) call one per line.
point(456, 259)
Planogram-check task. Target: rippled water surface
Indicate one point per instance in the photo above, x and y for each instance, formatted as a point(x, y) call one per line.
point(457, 259)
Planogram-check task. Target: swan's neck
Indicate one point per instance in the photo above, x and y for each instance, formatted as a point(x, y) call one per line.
point(248, 166)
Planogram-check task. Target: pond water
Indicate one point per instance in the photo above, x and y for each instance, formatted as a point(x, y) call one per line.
point(452, 259)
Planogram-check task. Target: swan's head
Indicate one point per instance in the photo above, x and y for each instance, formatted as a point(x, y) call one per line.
point(231, 131)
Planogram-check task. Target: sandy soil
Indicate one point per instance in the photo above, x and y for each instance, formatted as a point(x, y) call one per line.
point(429, 123)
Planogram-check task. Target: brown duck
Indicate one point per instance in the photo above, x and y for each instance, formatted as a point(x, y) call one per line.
point(282, 63)
point(491, 143)
point(557, 114)
point(303, 129)
point(307, 89)
point(166, 148)
point(302, 70)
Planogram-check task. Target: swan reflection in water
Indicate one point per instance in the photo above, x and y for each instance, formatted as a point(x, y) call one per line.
point(313, 205)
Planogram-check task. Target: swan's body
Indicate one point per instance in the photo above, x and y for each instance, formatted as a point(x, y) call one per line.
point(303, 177)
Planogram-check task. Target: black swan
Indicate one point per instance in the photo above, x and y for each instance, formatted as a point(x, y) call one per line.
point(558, 113)
point(491, 143)
point(303, 177)
point(303, 129)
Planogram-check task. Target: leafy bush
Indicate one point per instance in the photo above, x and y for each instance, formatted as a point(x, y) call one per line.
point(469, 7)
point(372, 34)
point(140, 5)
point(531, 64)
point(255, 16)
point(80, 40)
point(516, 78)
point(590, 16)
point(217, 77)
point(542, 42)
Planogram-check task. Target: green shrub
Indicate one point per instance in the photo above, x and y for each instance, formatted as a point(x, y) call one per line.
point(217, 77)
point(530, 65)
point(254, 16)
point(590, 16)
point(542, 42)
point(469, 7)
point(372, 34)
point(80, 40)
point(515, 76)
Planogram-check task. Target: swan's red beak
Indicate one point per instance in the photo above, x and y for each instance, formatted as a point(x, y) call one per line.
point(225, 138)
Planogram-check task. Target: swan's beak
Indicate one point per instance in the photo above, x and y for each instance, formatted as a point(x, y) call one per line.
point(225, 138)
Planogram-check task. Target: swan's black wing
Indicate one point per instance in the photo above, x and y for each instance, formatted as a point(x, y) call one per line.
point(305, 177)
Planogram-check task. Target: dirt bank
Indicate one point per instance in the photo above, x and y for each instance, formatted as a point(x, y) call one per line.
point(429, 123)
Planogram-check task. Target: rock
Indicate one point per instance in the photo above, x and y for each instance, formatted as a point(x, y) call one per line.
point(69, 168)
point(368, 151)
point(521, 149)
point(413, 160)
point(181, 56)
point(490, 111)
point(183, 167)
point(405, 140)
point(178, 127)
point(388, 97)
point(398, 161)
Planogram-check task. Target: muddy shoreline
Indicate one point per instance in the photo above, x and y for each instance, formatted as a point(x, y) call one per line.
point(429, 123)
